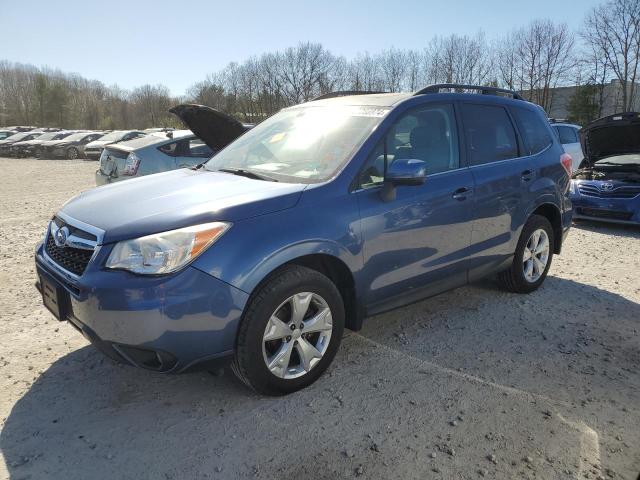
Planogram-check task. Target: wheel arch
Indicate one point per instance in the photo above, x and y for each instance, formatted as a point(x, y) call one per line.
point(328, 262)
point(552, 213)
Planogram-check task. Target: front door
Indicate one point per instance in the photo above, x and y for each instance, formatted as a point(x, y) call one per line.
point(417, 243)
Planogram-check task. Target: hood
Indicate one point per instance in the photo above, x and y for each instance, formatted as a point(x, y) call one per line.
point(47, 143)
point(100, 143)
point(175, 199)
point(62, 141)
point(23, 143)
point(213, 127)
point(617, 134)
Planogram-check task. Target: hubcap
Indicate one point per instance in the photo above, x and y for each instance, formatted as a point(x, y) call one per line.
point(536, 255)
point(297, 335)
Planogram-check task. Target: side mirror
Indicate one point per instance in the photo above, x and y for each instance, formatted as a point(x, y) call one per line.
point(408, 172)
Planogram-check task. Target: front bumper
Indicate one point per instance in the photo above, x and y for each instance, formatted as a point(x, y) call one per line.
point(612, 210)
point(167, 324)
point(93, 154)
point(102, 179)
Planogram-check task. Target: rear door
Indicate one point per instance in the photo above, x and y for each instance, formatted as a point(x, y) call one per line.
point(501, 171)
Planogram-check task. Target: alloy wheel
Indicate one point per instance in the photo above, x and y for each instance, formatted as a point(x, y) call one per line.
point(536, 255)
point(297, 335)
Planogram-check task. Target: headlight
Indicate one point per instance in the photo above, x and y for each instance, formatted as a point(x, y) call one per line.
point(165, 252)
point(572, 186)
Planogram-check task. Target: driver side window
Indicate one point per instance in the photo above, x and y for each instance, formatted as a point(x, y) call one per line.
point(426, 133)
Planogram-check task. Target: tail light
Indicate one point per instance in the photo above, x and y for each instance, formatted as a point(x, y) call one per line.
point(566, 161)
point(131, 165)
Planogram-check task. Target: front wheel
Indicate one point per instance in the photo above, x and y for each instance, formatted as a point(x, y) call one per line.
point(532, 258)
point(290, 331)
point(72, 153)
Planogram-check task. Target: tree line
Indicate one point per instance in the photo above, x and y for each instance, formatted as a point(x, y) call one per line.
point(532, 59)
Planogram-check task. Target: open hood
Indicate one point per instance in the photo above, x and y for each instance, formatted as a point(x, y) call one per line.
point(617, 134)
point(213, 127)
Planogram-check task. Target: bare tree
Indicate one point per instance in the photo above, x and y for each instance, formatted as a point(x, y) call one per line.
point(613, 30)
point(393, 68)
point(458, 59)
point(535, 59)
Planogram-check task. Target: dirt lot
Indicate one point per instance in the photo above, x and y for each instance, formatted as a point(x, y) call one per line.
point(473, 383)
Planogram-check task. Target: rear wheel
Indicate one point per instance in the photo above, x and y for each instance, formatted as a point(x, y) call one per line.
point(532, 258)
point(290, 331)
point(72, 153)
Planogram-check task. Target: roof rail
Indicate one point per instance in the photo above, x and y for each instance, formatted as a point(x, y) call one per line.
point(344, 93)
point(483, 90)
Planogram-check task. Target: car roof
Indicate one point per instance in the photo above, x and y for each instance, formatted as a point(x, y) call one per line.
point(565, 124)
point(460, 92)
point(372, 99)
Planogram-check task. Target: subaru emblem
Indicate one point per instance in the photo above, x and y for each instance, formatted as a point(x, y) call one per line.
point(60, 237)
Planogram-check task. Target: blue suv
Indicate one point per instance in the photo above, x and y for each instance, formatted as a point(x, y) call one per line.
point(324, 214)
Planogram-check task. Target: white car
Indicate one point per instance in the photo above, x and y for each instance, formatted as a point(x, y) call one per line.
point(93, 150)
point(570, 140)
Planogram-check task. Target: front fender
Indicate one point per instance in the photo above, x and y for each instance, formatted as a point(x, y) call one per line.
point(292, 252)
point(254, 248)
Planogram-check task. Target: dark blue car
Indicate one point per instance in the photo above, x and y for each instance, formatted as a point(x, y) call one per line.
point(606, 187)
point(320, 216)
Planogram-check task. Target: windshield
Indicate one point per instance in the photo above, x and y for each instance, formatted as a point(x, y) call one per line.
point(303, 144)
point(49, 136)
point(19, 136)
point(117, 135)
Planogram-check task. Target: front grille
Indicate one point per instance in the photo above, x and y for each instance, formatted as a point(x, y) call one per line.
point(73, 260)
point(608, 214)
point(70, 258)
point(624, 191)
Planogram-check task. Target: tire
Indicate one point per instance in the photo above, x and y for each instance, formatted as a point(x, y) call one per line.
point(515, 278)
point(275, 298)
point(72, 153)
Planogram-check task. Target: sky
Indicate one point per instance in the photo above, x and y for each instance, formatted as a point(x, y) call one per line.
point(135, 42)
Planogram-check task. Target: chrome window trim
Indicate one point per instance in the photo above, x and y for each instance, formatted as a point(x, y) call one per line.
point(379, 185)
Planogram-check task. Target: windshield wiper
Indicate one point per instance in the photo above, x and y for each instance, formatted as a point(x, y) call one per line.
point(247, 173)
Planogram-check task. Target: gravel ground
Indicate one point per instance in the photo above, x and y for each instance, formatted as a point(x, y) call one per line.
point(473, 383)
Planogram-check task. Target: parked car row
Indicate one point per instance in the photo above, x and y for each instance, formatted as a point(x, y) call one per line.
point(20, 142)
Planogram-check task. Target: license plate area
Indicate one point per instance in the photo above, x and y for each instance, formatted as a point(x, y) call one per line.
point(55, 298)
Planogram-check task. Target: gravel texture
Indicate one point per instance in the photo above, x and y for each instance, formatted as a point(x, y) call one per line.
point(473, 383)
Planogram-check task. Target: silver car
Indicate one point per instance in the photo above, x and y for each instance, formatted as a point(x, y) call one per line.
point(570, 140)
point(93, 150)
point(163, 151)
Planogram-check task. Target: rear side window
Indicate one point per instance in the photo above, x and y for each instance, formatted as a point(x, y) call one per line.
point(534, 129)
point(567, 134)
point(489, 133)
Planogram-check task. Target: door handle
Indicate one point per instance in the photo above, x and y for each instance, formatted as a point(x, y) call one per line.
point(461, 193)
point(526, 175)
